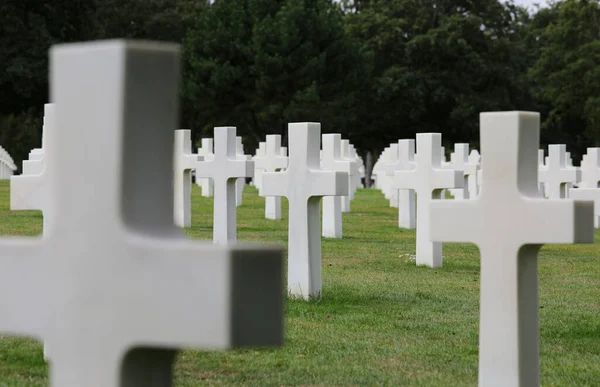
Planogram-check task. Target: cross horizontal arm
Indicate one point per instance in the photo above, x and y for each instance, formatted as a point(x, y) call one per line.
point(275, 183)
point(229, 296)
point(445, 215)
point(235, 169)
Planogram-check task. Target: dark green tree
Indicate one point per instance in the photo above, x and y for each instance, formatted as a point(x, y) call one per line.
point(567, 73)
point(263, 63)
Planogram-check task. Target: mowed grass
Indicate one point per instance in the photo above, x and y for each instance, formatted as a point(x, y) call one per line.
point(381, 321)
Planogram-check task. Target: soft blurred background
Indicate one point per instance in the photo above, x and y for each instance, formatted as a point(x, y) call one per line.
point(373, 70)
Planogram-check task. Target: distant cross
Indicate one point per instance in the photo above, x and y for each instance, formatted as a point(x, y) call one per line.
point(30, 190)
point(541, 165)
point(428, 179)
point(183, 163)
point(206, 152)
point(473, 180)
point(331, 160)
point(406, 197)
point(556, 174)
point(404, 160)
point(347, 155)
point(260, 152)
point(460, 160)
point(113, 286)
point(509, 222)
point(388, 168)
point(590, 169)
point(272, 161)
point(304, 183)
point(241, 182)
point(224, 169)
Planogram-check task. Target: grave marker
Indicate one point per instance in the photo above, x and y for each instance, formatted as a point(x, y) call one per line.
point(404, 161)
point(460, 160)
point(556, 174)
point(590, 169)
point(272, 161)
point(206, 152)
point(241, 182)
point(304, 183)
point(428, 179)
point(331, 160)
point(183, 163)
point(113, 285)
point(224, 169)
point(509, 223)
point(260, 152)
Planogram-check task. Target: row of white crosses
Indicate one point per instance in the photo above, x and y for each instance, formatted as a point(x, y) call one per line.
point(112, 285)
point(7, 165)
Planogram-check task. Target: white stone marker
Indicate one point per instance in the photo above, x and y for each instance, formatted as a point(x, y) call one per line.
point(30, 191)
point(7, 165)
point(556, 173)
point(224, 169)
point(184, 162)
point(428, 179)
point(541, 165)
point(406, 197)
point(113, 285)
point(206, 152)
point(272, 161)
point(303, 183)
point(460, 161)
point(509, 223)
point(590, 169)
point(404, 161)
point(260, 152)
point(474, 158)
point(331, 160)
point(241, 182)
point(346, 152)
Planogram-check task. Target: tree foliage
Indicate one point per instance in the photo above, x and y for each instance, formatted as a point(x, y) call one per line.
point(374, 70)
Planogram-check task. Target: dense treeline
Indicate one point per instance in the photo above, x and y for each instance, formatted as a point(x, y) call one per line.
point(374, 70)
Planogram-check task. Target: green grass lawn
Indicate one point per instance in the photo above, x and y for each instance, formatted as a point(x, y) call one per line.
point(382, 320)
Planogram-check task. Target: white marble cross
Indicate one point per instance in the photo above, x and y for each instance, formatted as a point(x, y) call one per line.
point(590, 169)
point(7, 165)
point(347, 155)
point(474, 158)
point(406, 197)
point(428, 179)
point(224, 169)
point(184, 161)
point(30, 191)
point(271, 161)
point(460, 160)
point(541, 165)
point(556, 173)
point(206, 152)
point(113, 286)
point(260, 152)
point(331, 160)
point(388, 169)
point(303, 183)
point(404, 161)
point(509, 222)
point(241, 182)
